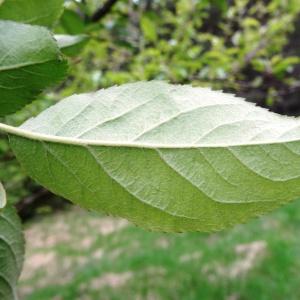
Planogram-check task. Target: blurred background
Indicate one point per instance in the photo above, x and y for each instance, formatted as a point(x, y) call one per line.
point(250, 48)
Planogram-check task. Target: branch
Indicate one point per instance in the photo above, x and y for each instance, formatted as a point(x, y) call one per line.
point(102, 11)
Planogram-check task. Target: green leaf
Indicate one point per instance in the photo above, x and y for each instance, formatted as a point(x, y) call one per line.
point(166, 157)
point(148, 28)
point(71, 22)
point(11, 252)
point(2, 196)
point(71, 45)
point(30, 61)
point(36, 12)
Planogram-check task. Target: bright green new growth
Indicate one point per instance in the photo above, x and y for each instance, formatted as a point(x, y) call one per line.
point(11, 252)
point(166, 157)
point(36, 12)
point(30, 61)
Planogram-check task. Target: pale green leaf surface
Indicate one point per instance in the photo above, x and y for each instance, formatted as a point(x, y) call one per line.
point(2, 196)
point(166, 157)
point(30, 61)
point(36, 12)
point(71, 45)
point(11, 252)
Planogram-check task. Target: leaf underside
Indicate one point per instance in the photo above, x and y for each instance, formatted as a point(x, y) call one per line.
point(36, 12)
point(2, 196)
point(71, 45)
point(30, 61)
point(166, 157)
point(11, 252)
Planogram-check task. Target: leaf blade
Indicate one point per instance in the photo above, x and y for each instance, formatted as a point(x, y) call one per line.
point(32, 11)
point(2, 196)
point(11, 252)
point(71, 45)
point(174, 158)
point(29, 56)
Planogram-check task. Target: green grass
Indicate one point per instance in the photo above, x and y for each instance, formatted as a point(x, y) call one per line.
point(68, 258)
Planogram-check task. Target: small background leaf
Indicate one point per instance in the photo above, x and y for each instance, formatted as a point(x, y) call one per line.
point(36, 12)
point(2, 196)
point(30, 61)
point(148, 27)
point(71, 45)
point(71, 23)
point(11, 252)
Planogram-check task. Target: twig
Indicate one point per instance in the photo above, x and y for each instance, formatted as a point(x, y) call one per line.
point(249, 56)
point(102, 11)
point(28, 207)
point(41, 193)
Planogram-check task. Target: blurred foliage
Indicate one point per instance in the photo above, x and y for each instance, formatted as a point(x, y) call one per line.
point(241, 46)
point(247, 47)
